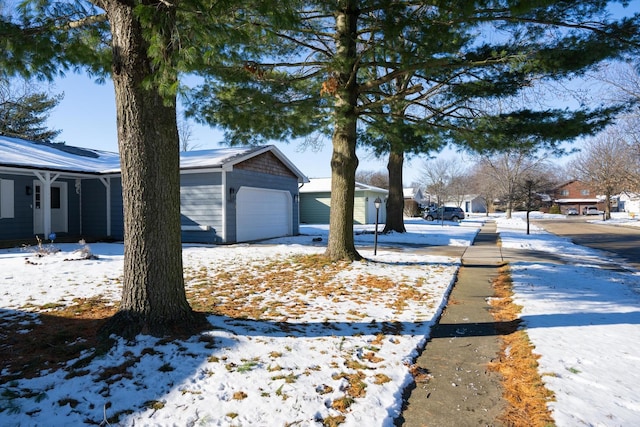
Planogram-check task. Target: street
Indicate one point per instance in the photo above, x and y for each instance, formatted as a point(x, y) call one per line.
point(623, 242)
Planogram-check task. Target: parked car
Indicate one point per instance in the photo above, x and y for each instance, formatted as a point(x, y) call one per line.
point(590, 210)
point(448, 213)
point(571, 211)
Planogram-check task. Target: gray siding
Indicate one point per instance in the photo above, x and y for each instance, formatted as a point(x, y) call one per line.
point(200, 205)
point(240, 177)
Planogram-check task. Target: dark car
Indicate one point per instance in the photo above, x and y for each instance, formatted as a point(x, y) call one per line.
point(571, 211)
point(447, 213)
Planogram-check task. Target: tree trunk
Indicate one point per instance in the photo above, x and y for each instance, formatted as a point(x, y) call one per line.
point(395, 202)
point(153, 298)
point(344, 161)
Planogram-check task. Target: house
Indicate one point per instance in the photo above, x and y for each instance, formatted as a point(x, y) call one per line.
point(473, 203)
point(576, 195)
point(227, 195)
point(315, 202)
point(630, 203)
point(414, 201)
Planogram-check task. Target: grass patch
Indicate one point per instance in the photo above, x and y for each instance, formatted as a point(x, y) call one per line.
point(524, 390)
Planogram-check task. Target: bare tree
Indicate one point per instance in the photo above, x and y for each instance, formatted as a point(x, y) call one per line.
point(185, 135)
point(481, 183)
point(622, 82)
point(377, 179)
point(505, 172)
point(441, 177)
point(610, 164)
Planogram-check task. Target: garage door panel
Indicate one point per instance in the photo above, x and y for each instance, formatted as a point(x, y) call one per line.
point(262, 214)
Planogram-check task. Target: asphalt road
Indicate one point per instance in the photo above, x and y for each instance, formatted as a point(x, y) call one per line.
point(623, 242)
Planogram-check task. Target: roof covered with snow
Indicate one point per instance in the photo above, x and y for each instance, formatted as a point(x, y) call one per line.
point(20, 153)
point(323, 185)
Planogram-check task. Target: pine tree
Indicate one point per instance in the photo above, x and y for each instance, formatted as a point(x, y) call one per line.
point(24, 111)
point(408, 75)
point(142, 46)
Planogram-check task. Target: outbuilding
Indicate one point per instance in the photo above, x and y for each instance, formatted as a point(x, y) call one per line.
point(315, 202)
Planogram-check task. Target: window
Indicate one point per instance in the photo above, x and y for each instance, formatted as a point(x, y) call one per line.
point(55, 197)
point(584, 192)
point(6, 198)
point(564, 192)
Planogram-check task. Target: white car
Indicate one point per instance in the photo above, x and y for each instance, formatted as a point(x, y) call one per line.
point(590, 210)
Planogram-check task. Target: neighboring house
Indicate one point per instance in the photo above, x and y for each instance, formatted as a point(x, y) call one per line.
point(577, 195)
point(414, 201)
point(315, 202)
point(473, 203)
point(227, 195)
point(630, 203)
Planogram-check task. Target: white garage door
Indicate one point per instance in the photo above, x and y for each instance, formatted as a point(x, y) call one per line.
point(262, 214)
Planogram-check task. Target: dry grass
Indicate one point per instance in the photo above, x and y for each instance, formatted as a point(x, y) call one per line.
point(524, 391)
point(279, 290)
point(53, 338)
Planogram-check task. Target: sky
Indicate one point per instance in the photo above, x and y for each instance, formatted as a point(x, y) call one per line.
point(86, 117)
point(581, 316)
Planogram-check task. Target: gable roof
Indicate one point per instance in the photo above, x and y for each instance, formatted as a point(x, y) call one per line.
point(32, 155)
point(226, 158)
point(323, 185)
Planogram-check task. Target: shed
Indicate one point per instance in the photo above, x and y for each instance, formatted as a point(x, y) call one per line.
point(227, 195)
point(315, 202)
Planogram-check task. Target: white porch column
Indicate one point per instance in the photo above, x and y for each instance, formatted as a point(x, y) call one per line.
point(46, 179)
point(224, 205)
point(107, 184)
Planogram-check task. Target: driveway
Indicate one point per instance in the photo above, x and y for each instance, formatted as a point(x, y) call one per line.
point(623, 242)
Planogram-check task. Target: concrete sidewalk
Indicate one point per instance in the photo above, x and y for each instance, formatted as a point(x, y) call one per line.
point(460, 391)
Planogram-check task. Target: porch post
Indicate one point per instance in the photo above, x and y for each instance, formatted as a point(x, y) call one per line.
point(46, 180)
point(107, 184)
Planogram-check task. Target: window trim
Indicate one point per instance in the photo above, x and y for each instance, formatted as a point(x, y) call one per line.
point(7, 198)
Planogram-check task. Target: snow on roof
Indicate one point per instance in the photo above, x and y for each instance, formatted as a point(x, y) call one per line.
point(60, 157)
point(214, 158)
point(323, 185)
point(20, 153)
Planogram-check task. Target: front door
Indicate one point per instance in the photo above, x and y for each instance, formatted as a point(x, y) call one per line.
point(58, 207)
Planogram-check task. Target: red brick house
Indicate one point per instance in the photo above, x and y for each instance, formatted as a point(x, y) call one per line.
point(577, 195)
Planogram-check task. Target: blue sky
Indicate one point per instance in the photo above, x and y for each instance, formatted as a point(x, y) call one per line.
point(86, 117)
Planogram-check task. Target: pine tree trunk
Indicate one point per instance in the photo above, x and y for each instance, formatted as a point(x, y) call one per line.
point(395, 202)
point(344, 161)
point(153, 299)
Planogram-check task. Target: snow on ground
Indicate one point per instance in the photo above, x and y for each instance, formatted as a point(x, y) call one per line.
point(312, 348)
point(583, 317)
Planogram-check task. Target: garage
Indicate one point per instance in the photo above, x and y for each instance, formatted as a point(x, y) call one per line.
point(262, 214)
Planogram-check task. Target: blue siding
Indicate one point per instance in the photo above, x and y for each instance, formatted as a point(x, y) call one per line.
point(94, 208)
point(117, 209)
point(200, 204)
point(73, 207)
point(21, 225)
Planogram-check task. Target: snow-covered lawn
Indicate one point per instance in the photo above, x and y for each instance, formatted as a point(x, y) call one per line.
point(583, 318)
point(287, 348)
